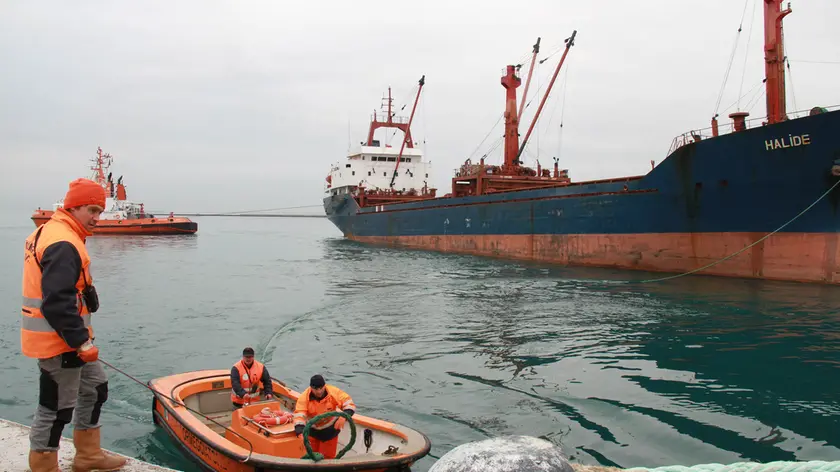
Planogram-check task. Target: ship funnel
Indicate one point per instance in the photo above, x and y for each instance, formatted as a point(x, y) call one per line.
point(739, 120)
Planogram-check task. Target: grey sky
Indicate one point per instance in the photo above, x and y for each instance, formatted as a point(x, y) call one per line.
point(220, 106)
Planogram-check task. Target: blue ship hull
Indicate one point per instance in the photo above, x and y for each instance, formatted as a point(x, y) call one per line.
point(705, 201)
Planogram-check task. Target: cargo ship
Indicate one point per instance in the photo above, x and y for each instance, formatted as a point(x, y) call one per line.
point(759, 201)
point(121, 216)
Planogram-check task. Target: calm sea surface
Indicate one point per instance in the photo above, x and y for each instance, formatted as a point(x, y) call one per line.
point(689, 371)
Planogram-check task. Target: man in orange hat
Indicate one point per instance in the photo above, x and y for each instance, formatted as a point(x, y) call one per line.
point(58, 300)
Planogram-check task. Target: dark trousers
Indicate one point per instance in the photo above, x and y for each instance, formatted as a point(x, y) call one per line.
point(69, 388)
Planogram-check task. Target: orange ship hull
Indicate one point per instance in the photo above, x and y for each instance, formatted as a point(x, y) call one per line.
point(797, 257)
point(159, 226)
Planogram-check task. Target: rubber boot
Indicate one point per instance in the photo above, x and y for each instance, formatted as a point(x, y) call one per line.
point(46, 461)
point(90, 456)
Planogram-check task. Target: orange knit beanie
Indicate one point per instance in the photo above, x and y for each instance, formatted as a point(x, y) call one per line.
point(84, 192)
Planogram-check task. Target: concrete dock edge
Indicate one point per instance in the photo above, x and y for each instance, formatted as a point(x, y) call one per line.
point(14, 452)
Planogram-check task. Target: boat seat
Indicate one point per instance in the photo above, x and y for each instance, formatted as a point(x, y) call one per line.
point(214, 401)
point(222, 419)
point(216, 405)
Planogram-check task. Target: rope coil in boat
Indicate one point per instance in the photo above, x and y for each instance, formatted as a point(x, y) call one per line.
point(317, 456)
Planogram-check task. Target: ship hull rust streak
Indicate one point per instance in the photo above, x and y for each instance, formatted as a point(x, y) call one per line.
point(803, 257)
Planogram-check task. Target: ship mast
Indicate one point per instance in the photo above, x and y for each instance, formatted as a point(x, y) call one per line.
point(510, 81)
point(408, 129)
point(102, 162)
point(570, 41)
point(774, 60)
point(530, 73)
point(389, 123)
point(512, 175)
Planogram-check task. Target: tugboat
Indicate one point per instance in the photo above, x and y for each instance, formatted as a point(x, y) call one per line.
point(122, 216)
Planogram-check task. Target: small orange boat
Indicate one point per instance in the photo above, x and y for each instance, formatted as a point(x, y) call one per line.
point(217, 437)
point(122, 216)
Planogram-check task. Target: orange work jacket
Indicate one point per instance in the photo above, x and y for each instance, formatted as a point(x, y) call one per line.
point(307, 407)
point(38, 339)
point(247, 378)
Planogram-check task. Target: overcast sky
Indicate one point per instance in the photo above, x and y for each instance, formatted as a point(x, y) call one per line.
point(238, 105)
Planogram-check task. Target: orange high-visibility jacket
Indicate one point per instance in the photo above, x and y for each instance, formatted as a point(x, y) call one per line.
point(247, 379)
point(309, 407)
point(56, 269)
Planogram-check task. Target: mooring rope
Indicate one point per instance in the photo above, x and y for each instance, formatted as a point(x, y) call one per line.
point(775, 466)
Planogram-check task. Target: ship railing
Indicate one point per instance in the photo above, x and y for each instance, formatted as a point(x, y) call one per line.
point(469, 170)
point(383, 117)
point(688, 137)
point(728, 127)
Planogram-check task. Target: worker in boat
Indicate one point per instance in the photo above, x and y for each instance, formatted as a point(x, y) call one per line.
point(320, 398)
point(56, 329)
point(246, 376)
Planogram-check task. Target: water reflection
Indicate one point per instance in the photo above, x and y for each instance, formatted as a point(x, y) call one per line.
point(114, 245)
point(688, 371)
point(708, 368)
